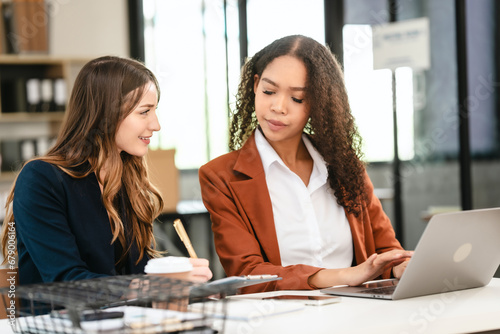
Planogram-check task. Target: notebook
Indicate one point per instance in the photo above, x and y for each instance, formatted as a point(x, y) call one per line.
point(459, 250)
point(245, 309)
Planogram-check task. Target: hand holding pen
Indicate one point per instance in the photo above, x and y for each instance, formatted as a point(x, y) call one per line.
point(179, 228)
point(201, 272)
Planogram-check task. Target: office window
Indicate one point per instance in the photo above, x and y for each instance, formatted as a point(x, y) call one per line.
point(270, 20)
point(193, 48)
point(370, 95)
point(186, 48)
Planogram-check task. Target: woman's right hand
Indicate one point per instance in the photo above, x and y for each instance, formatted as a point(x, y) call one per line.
point(201, 272)
point(373, 267)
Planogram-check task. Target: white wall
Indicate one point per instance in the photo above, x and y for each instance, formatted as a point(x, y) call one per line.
point(88, 28)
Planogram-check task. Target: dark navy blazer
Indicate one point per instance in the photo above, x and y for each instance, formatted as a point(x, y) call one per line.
point(63, 230)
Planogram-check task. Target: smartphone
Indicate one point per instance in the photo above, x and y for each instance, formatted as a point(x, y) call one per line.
point(307, 300)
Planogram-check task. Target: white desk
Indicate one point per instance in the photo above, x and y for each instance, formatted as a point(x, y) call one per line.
point(466, 311)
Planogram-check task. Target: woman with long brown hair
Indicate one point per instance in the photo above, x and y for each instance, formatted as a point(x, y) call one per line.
point(86, 208)
point(293, 197)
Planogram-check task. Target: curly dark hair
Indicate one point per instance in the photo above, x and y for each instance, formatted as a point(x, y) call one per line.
point(330, 127)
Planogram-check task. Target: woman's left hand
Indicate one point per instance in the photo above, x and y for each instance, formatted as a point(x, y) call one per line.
point(201, 272)
point(398, 270)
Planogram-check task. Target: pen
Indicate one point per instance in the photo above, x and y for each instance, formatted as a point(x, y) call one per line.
point(179, 228)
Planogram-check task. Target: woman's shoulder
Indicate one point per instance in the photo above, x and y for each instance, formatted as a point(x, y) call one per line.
point(246, 154)
point(38, 171)
point(221, 160)
point(37, 166)
point(37, 163)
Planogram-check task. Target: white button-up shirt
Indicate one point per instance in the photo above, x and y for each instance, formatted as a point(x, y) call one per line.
point(311, 227)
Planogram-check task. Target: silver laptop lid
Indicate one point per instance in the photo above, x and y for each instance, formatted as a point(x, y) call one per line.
point(458, 250)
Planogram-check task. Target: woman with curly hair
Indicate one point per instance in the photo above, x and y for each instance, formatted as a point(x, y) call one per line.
point(293, 197)
point(86, 208)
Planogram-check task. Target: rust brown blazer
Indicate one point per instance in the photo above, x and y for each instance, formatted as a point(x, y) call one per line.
point(235, 193)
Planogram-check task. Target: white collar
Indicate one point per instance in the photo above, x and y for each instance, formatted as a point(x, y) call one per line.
point(269, 156)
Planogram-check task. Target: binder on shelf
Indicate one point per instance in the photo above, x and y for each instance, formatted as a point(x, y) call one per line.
point(47, 95)
point(29, 26)
point(7, 14)
point(2, 30)
point(28, 149)
point(18, 23)
point(60, 95)
point(40, 19)
point(33, 95)
point(13, 95)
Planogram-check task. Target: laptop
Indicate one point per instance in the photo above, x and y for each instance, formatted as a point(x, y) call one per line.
point(459, 250)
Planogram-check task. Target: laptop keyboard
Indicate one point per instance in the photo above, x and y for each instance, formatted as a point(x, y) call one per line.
point(386, 290)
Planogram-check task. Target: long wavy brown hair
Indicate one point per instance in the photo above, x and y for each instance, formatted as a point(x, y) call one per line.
point(330, 127)
point(106, 90)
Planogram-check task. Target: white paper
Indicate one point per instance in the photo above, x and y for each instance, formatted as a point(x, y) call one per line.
point(402, 44)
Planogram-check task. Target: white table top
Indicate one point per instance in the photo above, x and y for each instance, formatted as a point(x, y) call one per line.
point(465, 311)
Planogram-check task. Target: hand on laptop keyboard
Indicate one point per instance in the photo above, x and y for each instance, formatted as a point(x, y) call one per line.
point(376, 264)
